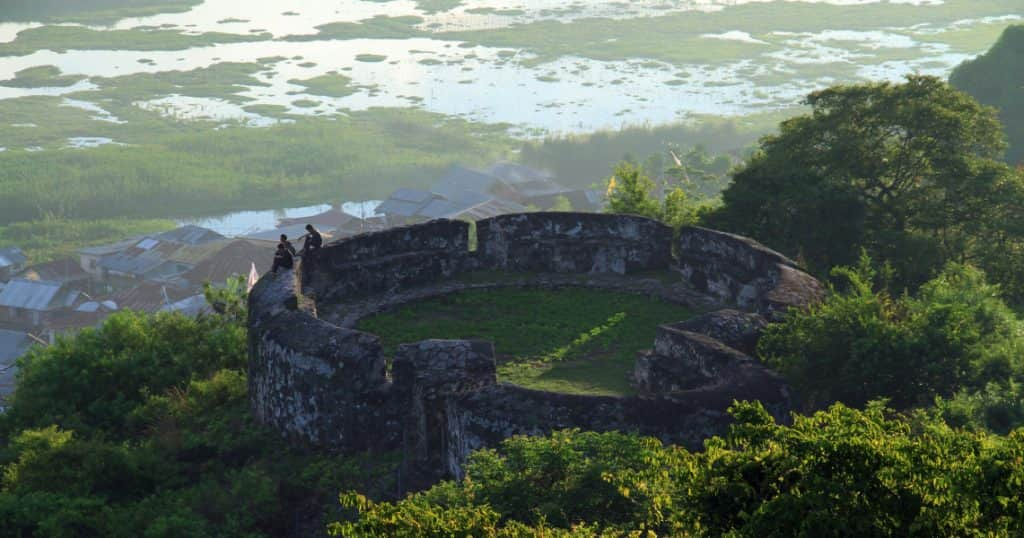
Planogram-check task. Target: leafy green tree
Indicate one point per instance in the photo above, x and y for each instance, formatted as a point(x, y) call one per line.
point(839, 472)
point(861, 344)
point(910, 172)
point(631, 191)
point(996, 78)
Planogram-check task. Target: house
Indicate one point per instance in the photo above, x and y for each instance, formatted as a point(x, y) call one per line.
point(460, 179)
point(150, 297)
point(89, 257)
point(232, 259)
point(407, 206)
point(539, 188)
point(12, 260)
point(13, 344)
point(66, 271)
point(29, 303)
point(161, 257)
point(341, 223)
point(294, 232)
point(189, 235)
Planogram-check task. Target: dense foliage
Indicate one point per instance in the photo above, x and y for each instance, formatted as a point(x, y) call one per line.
point(910, 172)
point(861, 343)
point(142, 428)
point(630, 191)
point(705, 148)
point(839, 472)
point(996, 78)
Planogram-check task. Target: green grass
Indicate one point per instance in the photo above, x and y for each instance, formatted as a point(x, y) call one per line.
point(88, 11)
point(178, 169)
point(328, 85)
point(41, 76)
point(437, 6)
point(50, 239)
point(64, 38)
point(223, 80)
point(569, 340)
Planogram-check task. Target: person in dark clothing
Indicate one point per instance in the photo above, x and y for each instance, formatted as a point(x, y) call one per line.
point(282, 259)
point(287, 244)
point(313, 240)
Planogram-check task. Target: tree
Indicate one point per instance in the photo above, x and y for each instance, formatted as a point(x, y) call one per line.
point(839, 472)
point(996, 78)
point(861, 344)
point(631, 191)
point(909, 172)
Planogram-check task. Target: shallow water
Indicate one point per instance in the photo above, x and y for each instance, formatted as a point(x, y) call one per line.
point(247, 222)
point(569, 94)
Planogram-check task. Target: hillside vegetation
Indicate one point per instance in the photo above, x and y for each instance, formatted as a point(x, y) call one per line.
point(996, 78)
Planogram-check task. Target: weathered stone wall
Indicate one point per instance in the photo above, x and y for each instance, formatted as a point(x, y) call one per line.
point(307, 378)
point(744, 272)
point(574, 243)
point(382, 262)
point(326, 385)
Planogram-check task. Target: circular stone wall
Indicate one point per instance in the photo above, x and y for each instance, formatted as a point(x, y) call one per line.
point(320, 381)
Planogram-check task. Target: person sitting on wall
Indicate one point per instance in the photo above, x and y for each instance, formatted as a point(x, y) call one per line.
point(282, 259)
point(287, 244)
point(313, 240)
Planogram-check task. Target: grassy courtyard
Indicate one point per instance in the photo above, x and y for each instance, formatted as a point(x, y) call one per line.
point(570, 340)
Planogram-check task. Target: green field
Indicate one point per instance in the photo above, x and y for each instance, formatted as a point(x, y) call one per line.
point(196, 168)
point(569, 340)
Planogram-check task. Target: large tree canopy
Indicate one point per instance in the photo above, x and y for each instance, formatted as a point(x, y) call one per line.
point(996, 78)
point(910, 172)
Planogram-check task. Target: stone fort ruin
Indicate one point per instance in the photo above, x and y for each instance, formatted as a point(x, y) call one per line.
point(321, 382)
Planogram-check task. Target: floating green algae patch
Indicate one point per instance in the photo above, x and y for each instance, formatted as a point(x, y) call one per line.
point(43, 76)
point(370, 58)
point(64, 38)
point(571, 340)
point(328, 85)
point(89, 11)
point(678, 38)
point(223, 80)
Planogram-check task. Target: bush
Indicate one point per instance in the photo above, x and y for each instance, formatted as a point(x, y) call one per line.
point(839, 472)
point(861, 344)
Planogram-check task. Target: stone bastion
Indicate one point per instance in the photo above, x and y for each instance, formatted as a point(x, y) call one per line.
point(323, 383)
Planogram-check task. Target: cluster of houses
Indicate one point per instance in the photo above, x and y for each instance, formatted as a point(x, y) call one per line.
point(467, 194)
point(166, 271)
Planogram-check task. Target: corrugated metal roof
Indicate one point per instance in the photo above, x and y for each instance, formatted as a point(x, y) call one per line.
point(517, 173)
point(545, 187)
point(293, 232)
point(12, 256)
point(460, 179)
point(112, 248)
point(190, 235)
point(134, 262)
point(35, 294)
point(12, 345)
point(234, 259)
point(490, 208)
point(399, 208)
point(66, 270)
point(411, 195)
